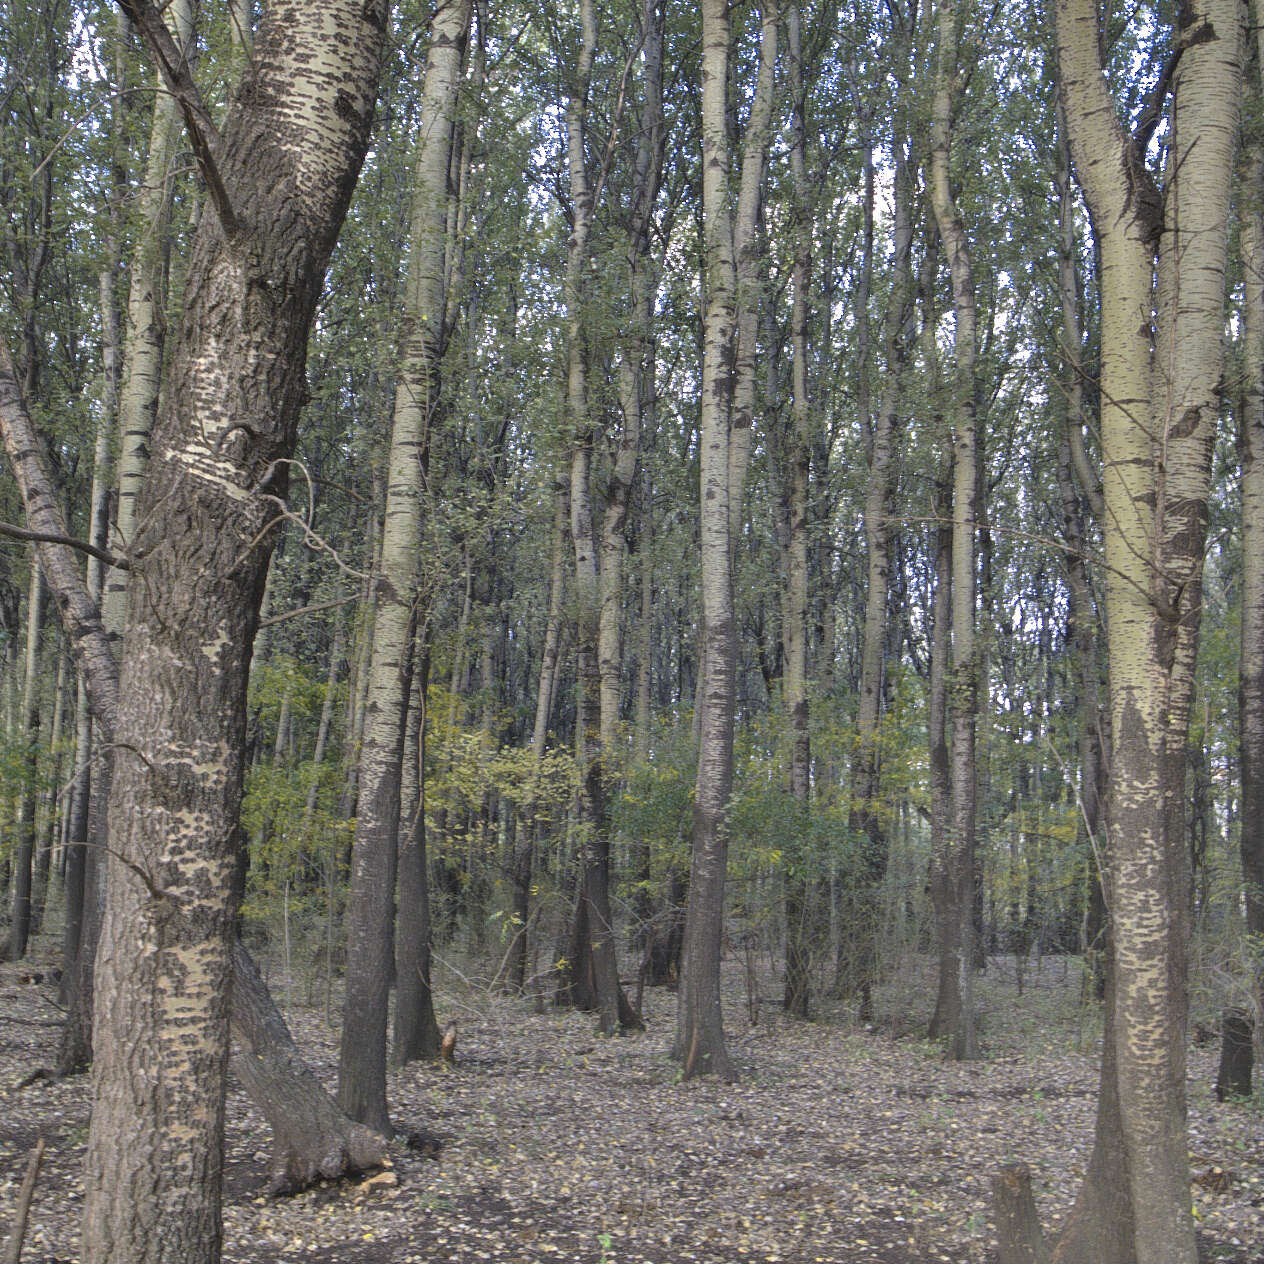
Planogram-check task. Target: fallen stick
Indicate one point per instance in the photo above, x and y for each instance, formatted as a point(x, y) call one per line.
point(13, 1252)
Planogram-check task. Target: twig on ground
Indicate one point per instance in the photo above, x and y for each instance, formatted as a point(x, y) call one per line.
point(13, 1251)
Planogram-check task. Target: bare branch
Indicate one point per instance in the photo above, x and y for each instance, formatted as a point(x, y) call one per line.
point(70, 541)
point(312, 609)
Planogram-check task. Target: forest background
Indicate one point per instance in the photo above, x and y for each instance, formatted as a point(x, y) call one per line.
point(868, 690)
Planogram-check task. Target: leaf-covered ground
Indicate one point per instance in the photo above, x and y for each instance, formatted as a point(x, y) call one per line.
point(838, 1144)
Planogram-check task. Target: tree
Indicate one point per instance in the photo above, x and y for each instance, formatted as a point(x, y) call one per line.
point(699, 1043)
point(865, 818)
point(1162, 252)
point(952, 877)
point(797, 997)
point(1251, 450)
point(370, 911)
point(279, 176)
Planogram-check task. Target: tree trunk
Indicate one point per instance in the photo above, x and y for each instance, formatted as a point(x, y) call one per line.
point(311, 1138)
point(523, 857)
point(28, 736)
point(1251, 455)
point(145, 330)
point(1162, 285)
point(279, 176)
point(370, 908)
point(416, 1028)
point(800, 884)
point(1085, 624)
point(857, 967)
point(955, 1020)
point(592, 973)
point(47, 816)
point(699, 1042)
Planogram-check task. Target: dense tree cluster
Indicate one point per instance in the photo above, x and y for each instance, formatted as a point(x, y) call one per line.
point(664, 481)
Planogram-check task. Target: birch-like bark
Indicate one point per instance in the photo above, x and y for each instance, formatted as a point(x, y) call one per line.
point(280, 175)
point(699, 1043)
point(952, 883)
point(636, 368)
point(145, 331)
point(370, 906)
point(749, 260)
point(1162, 286)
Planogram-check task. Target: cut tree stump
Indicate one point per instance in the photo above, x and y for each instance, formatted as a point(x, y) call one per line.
point(447, 1046)
point(1236, 1053)
point(1019, 1238)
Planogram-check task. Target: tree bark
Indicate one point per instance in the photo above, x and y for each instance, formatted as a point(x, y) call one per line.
point(954, 1015)
point(1085, 631)
point(311, 1138)
point(592, 978)
point(802, 882)
point(699, 1043)
point(24, 853)
point(145, 330)
point(1162, 285)
point(416, 1028)
point(1251, 455)
point(523, 857)
point(857, 966)
point(370, 909)
point(280, 176)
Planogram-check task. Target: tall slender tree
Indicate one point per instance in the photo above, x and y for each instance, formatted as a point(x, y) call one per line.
point(1162, 251)
point(952, 880)
point(699, 1043)
point(370, 908)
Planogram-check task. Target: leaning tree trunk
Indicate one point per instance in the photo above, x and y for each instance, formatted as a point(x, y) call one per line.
point(370, 908)
point(311, 1138)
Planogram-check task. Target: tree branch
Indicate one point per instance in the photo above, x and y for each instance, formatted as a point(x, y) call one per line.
point(1153, 111)
point(203, 135)
point(70, 541)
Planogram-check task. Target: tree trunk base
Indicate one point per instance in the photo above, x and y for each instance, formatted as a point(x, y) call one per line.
point(1236, 1055)
point(312, 1139)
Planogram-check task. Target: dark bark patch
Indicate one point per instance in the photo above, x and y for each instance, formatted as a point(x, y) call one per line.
point(1187, 424)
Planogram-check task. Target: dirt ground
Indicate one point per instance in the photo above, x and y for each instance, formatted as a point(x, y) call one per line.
point(837, 1145)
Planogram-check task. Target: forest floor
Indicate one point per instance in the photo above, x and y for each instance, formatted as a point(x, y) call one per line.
point(838, 1144)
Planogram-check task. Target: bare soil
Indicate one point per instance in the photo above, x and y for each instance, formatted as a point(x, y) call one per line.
point(546, 1143)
